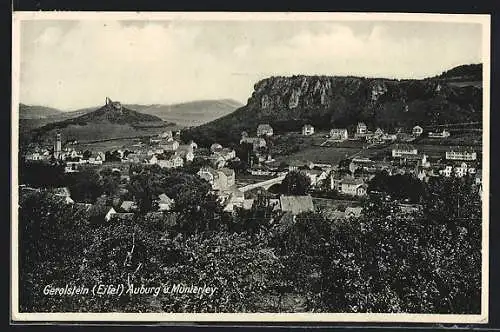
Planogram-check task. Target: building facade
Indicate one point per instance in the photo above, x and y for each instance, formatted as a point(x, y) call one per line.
point(307, 130)
point(338, 134)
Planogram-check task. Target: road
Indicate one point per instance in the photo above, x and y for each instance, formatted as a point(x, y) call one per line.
point(265, 183)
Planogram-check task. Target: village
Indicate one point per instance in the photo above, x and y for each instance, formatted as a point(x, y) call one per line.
point(323, 168)
point(335, 188)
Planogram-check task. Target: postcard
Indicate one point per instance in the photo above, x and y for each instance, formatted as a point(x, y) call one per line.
point(250, 167)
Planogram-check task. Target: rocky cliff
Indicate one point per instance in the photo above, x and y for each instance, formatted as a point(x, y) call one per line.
point(330, 101)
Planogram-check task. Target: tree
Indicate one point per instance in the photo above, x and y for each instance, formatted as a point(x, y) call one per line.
point(144, 186)
point(85, 185)
point(239, 166)
point(112, 156)
point(295, 183)
point(30, 174)
point(301, 247)
point(52, 241)
point(194, 166)
point(109, 182)
point(245, 152)
point(400, 186)
point(241, 266)
point(86, 154)
point(394, 261)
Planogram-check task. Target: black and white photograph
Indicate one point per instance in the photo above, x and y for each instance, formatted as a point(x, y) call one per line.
point(250, 167)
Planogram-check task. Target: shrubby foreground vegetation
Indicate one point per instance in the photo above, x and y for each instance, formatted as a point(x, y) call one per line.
point(387, 260)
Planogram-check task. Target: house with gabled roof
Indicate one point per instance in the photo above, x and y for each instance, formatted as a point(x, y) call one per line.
point(128, 206)
point(220, 179)
point(353, 186)
point(339, 134)
point(352, 212)
point(361, 128)
point(461, 153)
point(403, 150)
point(265, 129)
point(307, 130)
point(257, 142)
point(417, 131)
point(215, 147)
point(165, 203)
point(100, 212)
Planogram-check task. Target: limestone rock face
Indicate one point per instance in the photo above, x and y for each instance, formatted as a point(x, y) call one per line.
point(287, 103)
point(345, 100)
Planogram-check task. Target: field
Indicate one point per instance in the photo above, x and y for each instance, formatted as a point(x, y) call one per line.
point(109, 145)
point(319, 154)
point(477, 84)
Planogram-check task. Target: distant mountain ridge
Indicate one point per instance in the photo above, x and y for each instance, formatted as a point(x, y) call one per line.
point(326, 102)
point(192, 113)
point(36, 112)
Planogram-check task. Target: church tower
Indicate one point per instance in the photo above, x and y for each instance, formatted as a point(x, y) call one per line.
point(57, 146)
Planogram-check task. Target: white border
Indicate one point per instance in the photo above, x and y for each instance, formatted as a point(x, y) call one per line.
point(17, 17)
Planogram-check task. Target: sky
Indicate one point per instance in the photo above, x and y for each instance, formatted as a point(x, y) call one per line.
point(73, 64)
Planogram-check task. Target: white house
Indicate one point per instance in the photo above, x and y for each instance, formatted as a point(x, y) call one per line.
point(165, 203)
point(34, 156)
point(257, 142)
point(315, 175)
point(352, 212)
point(153, 160)
point(265, 129)
point(187, 155)
point(172, 162)
point(227, 153)
point(402, 150)
point(109, 214)
point(128, 206)
point(221, 179)
point(353, 186)
point(338, 134)
point(461, 154)
point(379, 132)
point(361, 128)
point(216, 160)
point(417, 131)
point(64, 193)
point(215, 147)
point(442, 134)
point(307, 130)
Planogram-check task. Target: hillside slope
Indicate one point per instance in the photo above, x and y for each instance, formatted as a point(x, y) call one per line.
point(109, 121)
point(330, 101)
